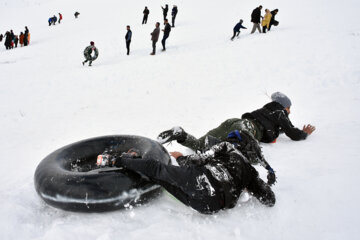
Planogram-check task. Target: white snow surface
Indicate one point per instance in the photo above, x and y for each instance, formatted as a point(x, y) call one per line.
point(48, 100)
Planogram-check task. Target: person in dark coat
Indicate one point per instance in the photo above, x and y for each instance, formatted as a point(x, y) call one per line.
point(273, 21)
point(60, 17)
point(128, 39)
point(26, 36)
point(174, 12)
point(155, 37)
point(207, 182)
point(76, 14)
point(12, 39)
point(1, 37)
point(166, 31)
point(54, 20)
point(8, 40)
point(237, 28)
point(50, 21)
point(146, 13)
point(165, 11)
point(16, 40)
point(255, 19)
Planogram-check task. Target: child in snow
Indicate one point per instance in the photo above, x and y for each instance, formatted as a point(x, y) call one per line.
point(88, 51)
point(237, 28)
point(266, 20)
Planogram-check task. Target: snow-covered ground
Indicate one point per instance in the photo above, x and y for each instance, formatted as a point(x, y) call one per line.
point(48, 99)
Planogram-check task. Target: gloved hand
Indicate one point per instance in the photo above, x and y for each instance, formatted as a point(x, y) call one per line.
point(271, 177)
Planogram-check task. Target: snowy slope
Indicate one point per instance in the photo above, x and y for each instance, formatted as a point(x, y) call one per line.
point(48, 99)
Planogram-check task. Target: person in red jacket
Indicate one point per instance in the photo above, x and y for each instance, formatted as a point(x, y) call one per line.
point(60, 17)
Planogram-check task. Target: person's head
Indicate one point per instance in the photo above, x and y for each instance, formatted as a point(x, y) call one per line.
point(92, 43)
point(282, 99)
point(21, 33)
point(157, 24)
point(128, 27)
point(166, 21)
point(267, 10)
point(241, 21)
point(166, 5)
point(260, 7)
point(276, 10)
point(145, 7)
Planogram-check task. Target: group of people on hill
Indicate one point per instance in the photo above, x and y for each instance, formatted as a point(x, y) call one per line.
point(52, 20)
point(11, 40)
point(214, 178)
point(91, 52)
point(266, 21)
point(165, 10)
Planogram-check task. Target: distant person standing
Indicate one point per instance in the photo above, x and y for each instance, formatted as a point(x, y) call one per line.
point(88, 51)
point(166, 31)
point(21, 39)
point(165, 11)
point(237, 28)
point(12, 37)
point(266, 20)
point(60, 17)
point(26, 37)
point(155, 37)
point(273, 21)
point(146, 13)
point(7, 42)
point(128, 39)
point(1, 37)
point(50, 21)
point(76, 14)
point(16, 40)
point(174, 12)
point(255, 19)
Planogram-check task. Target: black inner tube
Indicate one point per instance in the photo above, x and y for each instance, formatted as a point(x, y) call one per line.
point(69, 178)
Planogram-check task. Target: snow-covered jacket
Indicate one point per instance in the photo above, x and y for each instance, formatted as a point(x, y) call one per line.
point(226, 164)
point(273, 119)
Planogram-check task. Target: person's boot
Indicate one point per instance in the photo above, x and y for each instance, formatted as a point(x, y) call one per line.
point(176, 133)
point(152, 53)
point(262, 192)
point(83, 63)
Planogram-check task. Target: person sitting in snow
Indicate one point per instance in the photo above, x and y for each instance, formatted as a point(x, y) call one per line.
point(237, 29)
point(207, 182)
point(88, 51)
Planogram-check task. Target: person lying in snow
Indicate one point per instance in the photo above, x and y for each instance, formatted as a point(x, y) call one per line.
point(207, 182)
point(264, 124)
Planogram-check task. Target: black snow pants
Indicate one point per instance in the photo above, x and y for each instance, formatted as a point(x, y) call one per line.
point(144, 21)
point(128, 47)
point(236, 33)
point(192, 185)
point(163, 41)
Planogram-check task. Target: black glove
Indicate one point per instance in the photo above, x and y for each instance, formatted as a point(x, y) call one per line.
point(271, 177)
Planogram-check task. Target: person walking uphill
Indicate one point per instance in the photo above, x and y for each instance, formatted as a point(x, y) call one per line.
point(165, 11)
point(255, 19)
point(166, 31)
point(128, 39)
point(88, 51)
point(155, 37)
point(237, 28)
point(146, 13)
point(207, 182)
point(266, 21)
point(174, 12)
